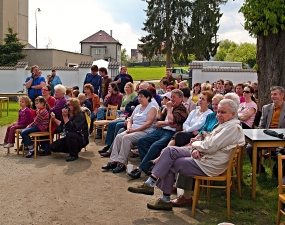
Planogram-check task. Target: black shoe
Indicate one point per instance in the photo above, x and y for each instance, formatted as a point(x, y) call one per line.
point(30, 154)
point(71, 158)
point(105, 154)
point(135, 174)
point(120, 168)
point(109, 166)
point(45, 153)
point(105, 149)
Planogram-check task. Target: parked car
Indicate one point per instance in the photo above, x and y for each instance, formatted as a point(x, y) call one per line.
point(177, 71)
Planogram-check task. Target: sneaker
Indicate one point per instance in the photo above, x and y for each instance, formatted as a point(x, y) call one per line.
point(3, 143)
point(105, 149)
point(142, 189)
point(160, 205)
point(9, 145)
point(30, 154)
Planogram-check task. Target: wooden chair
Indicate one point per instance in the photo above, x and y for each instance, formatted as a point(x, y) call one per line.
point(18, 131)
point(237, 165)
point(281, 187)
point(226, 176)
point(41, 136)
point(111, 114)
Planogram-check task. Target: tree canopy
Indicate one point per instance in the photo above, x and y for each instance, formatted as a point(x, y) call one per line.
point(181, 26)
point(231, 51)
point(266, 20)
point(11, 50)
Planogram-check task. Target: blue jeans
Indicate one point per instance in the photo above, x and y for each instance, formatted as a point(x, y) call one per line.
point(25, 135)
point(113, 129)
point(121, 130)
point(150, 146)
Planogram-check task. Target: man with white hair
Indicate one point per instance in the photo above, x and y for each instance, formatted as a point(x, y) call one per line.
point(233, 96)
point(209, 157)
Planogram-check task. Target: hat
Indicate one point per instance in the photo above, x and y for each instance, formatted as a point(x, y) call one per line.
point(167, 95)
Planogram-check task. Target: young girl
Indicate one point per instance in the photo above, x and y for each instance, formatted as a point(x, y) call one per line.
point(39, 124)
point(24, 118)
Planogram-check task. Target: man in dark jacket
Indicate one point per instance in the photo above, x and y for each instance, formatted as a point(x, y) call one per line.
point(123, 78)
point(95, 79)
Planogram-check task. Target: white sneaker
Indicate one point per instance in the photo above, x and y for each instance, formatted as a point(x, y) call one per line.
point(9, 145)
point(3, 143)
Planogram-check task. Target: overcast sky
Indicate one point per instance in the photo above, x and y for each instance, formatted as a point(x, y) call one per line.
point(66, 23)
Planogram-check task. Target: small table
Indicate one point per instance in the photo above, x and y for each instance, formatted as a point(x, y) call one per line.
point(257, 138)
point(2, 99)
point(12, 94)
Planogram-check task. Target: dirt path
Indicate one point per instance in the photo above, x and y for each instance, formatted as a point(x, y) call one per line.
point(48, 190)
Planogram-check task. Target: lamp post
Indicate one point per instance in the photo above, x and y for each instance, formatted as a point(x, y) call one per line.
point(37, 10)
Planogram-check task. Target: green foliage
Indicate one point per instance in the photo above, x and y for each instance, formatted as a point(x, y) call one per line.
point(181, 26)
point(263, 16)
point(11, 50)
point(12, 116)
point(124, 56)
point(230, 51)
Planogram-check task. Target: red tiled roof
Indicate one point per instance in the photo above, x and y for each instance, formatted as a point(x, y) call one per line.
point(228, 70)
point(100, 37)
point(113, 65)
point(85, 64)
point(56, 68)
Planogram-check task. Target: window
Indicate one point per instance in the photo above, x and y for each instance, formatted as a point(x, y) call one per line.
point(97, 51)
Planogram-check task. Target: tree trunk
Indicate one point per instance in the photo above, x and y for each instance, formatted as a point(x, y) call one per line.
point(271, 65)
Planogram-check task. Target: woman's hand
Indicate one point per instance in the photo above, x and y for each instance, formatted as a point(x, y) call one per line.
point(130, 130)
point(64, 112)
point(52, 115)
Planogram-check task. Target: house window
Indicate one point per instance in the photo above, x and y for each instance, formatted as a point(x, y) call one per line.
point(97, 51)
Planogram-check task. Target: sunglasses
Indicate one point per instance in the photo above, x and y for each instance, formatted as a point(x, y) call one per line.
point(246, 92)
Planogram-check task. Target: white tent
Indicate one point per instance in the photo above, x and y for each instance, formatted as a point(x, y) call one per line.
point(101, 63)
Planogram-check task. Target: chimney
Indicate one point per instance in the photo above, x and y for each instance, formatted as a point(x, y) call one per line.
point(111, 33)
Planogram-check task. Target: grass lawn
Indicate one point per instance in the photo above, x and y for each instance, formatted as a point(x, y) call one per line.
point(244, 210)
point(147, 73)
point(12, 116)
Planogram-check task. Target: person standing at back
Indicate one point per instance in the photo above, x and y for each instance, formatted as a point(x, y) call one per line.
point(34, 84)
point(95, 79)
point(106, 80)
point(53, 80)
point(123, 78)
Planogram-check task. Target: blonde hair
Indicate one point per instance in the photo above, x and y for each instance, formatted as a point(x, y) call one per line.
point(206, 87)
point(81, 96)
point(218, 97)
point(76, 105)
point(131, 85)
point(27, 100)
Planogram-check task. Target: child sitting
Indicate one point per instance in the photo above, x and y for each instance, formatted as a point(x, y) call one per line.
point(24, 118)
point(39, 124)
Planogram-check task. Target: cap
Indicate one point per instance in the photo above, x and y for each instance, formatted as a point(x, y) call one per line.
point(167, 95)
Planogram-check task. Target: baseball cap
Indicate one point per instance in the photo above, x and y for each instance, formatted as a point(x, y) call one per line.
point(167, 95)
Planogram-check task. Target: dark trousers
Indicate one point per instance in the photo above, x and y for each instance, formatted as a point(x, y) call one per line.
point(72, 143)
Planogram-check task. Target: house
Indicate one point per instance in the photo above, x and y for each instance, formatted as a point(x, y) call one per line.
point(102, 46)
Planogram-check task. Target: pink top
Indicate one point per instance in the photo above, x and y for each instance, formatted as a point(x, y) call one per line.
point(241, 99)
point(243, 109)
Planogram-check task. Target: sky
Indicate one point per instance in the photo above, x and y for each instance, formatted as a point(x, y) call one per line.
point(63, 24)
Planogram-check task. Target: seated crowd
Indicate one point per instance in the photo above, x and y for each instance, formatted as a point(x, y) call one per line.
point(177, 130)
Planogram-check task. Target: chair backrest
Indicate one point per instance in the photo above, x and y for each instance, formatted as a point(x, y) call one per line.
point(50, 130)
point(111, 113)
point(234, 160)
point(281, 186)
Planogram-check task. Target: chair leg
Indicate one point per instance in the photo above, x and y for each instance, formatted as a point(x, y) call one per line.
point(208, 190)
point(23, 149)
point(35, 148)
point(8, 150)
point(195, 197)
point(94, 133)
point(103, 128)
point(228, 198)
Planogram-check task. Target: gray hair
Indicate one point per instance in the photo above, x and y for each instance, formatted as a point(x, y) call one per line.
point(61, 88)
point(178, 92)
point(146, 84)
point(279, 88)
point(254, 83)
point(234, 97)
point(232, 105)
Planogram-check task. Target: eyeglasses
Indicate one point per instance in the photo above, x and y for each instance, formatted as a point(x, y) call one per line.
point(246, 92)
point(45, 89)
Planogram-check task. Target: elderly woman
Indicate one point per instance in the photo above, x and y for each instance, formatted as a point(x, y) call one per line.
point(75, 128)
point(46, 90)
point(114, 97)
point(194, 121)
point(141, 123)
point(184, 182)
point(195, 94)
point(247, 110)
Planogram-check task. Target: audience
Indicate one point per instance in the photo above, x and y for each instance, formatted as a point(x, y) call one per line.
point(46, 93)
point(187, 102)
point(106, 80)
point(195, 93)
point(239, 91)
